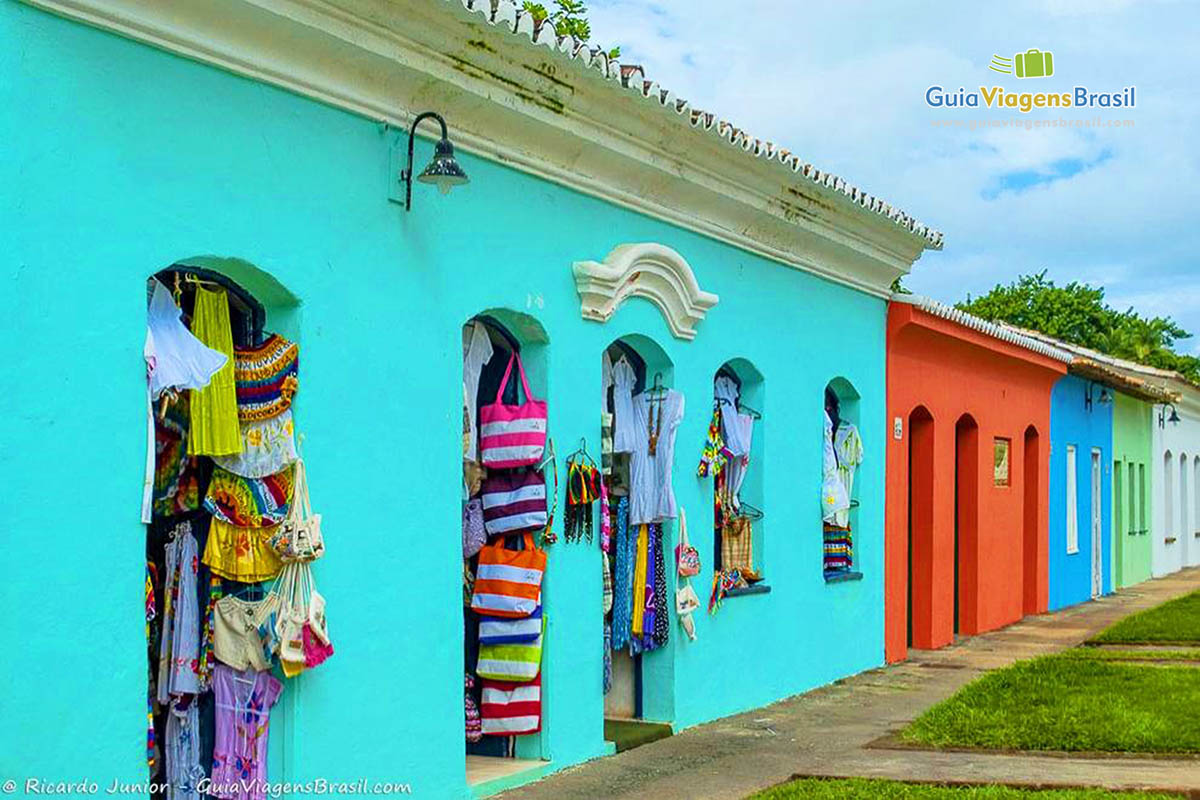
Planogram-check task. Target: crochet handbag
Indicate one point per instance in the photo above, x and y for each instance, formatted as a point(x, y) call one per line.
point(509, 582)
point(687, 558)
point(298, 537)
point(513, 436)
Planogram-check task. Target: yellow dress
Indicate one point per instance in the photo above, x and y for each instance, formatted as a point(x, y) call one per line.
point(214, 430)
point(639, 581)
point(241, 554)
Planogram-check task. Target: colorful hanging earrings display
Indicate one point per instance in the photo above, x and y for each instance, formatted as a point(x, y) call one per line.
point(583, 489)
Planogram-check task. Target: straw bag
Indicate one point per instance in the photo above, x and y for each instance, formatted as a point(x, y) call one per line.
point(737, 545)
point(512, 436)
point(298, 537)
point(687, 558)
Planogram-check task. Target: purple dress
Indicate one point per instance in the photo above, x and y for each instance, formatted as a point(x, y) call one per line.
point(243, 701)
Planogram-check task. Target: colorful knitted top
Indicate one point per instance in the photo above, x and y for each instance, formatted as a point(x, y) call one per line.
point(266, 378)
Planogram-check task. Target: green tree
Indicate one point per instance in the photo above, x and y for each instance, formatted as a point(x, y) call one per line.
point(569, 18)
point(1077, 313)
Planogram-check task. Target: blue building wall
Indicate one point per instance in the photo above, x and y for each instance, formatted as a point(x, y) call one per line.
point(127, 160)
point(1072, 423)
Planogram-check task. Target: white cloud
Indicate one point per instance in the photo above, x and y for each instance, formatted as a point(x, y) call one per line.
point(844, 85)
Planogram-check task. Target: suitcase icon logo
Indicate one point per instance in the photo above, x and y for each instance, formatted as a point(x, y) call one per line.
point(1033, 63)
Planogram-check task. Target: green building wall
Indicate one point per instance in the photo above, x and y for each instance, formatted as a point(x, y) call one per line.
point(1133, 492)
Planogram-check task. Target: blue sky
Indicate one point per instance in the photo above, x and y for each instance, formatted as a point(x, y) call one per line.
point(844, 86)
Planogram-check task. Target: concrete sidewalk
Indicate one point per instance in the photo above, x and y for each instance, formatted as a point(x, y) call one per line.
point(829, 731)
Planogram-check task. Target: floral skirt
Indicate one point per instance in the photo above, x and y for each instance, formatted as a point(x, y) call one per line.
point(241, 554)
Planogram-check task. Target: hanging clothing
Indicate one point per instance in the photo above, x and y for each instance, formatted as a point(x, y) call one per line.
point(179, 648)
point(266, 378)
point(713, 454)
point(740, 463)
point(208, 658)
point(833, 493)
point(243, 701)
point(214, 430)
point(250, 502)
point(184, 769)
point(625, 432)
point(268, 446)
point(242, 632)
point(639, 584)
point(175, 357)
point(241, 554)
point(652, 498)
point(477, 351)
point(626, 555)
point(726, 394)
point(176, 474)
point(848, 449)
point(662, 623)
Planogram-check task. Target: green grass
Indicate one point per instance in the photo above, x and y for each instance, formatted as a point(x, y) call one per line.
point(863, 789)
point(1177, 620)
point(1140, 654)
point(1071, 703)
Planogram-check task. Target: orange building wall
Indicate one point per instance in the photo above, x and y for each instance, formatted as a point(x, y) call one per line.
point(950, 371)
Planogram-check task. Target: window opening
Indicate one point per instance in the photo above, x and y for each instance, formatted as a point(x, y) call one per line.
point(1072, 502)
point(842, 454)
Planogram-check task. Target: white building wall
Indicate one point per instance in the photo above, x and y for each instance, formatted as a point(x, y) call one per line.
point(1176, 528)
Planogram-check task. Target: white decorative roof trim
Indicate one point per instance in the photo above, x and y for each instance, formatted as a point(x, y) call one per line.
point(995, 330)
point(649, 270)
point(516, 94)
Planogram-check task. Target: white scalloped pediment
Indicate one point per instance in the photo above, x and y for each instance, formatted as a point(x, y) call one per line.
point(653, 271)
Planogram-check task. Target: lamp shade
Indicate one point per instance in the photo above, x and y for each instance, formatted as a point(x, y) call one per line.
point(443, 171)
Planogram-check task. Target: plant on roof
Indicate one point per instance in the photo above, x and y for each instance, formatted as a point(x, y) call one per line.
point(1077, 313)
point(569, 18)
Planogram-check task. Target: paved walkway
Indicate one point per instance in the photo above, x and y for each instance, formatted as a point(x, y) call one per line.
point(828, 731)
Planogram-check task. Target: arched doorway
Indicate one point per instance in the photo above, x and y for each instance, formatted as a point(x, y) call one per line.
point(920, 528)
point(1032, 558)
point(639, 406)
point(966, 525)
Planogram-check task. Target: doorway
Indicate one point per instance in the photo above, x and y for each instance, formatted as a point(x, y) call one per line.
point(638, 670)
point(966, 523)
point(920, 529)
point(1031, 522)
point(1097, 534)
point(1120, 514)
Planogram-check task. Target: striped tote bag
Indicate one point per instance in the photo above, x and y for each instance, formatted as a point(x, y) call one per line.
point(507, 630)
point(508, 708)
point(512, 436)
point(514, 501)
point(508, 583)
point(519, 663)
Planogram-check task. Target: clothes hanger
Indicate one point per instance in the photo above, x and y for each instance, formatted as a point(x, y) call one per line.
point(745, 409)
point(747, 510)
point(656, 388)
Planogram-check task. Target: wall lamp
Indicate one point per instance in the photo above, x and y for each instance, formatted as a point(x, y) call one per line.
point(1105, 396)
point(1163, 419)
point(443, 171)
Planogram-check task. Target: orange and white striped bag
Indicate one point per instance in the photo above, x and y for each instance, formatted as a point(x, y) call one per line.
point(508, 583)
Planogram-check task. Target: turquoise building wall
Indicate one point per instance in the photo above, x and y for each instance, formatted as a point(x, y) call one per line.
point(127, 160)
point(1072, 422)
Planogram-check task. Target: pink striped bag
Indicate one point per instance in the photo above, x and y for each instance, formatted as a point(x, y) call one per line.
point(512, 436)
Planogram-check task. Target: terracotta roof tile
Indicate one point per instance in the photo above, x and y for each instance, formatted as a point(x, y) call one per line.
point(509, 16)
